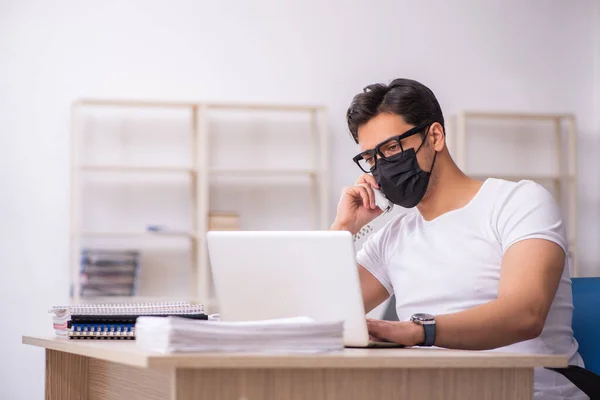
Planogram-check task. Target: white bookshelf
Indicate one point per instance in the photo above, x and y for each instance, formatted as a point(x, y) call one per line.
point(202, 177)
point(562, 131)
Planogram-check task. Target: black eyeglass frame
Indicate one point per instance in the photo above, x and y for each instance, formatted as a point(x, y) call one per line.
point(375, 152)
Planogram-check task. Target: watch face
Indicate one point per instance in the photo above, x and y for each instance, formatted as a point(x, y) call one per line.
point(421, 317)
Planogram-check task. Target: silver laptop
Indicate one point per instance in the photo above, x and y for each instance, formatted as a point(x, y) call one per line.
point(267, 274)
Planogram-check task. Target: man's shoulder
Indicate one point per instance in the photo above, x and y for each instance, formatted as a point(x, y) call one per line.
point(521, 203)
point(517, 191)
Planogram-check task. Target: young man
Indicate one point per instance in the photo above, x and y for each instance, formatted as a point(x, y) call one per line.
point(480, 266)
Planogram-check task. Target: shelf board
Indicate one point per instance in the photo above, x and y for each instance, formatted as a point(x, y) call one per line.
point(138, 234)
point(184, 104)
point(214, 171)
point(264, 107)
point(509, 115)
point(134, 103)
point(516, 177)
point(262, 172)
point(136, 168)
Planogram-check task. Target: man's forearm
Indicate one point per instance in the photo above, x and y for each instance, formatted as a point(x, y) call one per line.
point(487, 326)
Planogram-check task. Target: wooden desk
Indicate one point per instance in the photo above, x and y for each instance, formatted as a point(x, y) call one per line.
point(114, 370)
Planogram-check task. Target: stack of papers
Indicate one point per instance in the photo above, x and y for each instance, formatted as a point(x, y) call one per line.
point(290, 335)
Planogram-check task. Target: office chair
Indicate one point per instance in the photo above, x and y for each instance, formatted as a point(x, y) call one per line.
point(586, 330)
point(586, 320)
point(390, 313)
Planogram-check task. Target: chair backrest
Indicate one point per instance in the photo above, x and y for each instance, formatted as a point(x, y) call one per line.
point(586, 320)
point(390, 313)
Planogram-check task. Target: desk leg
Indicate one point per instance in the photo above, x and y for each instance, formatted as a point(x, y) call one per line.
point(66, 376)
point(352, 384)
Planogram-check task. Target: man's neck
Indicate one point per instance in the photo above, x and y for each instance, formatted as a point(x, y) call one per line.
point(451, 191)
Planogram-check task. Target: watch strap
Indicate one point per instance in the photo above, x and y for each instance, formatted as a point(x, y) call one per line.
point(429, 334)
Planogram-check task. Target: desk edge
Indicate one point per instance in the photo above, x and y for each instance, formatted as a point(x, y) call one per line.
point(412, 358)
point(126, 358)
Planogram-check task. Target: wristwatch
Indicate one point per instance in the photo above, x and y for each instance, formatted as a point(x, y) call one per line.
point(428, 323)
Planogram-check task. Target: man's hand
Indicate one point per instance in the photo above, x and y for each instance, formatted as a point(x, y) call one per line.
point(356, 207)
point(405, 333)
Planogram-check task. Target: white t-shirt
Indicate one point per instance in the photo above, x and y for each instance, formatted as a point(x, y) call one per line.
point(452, 263)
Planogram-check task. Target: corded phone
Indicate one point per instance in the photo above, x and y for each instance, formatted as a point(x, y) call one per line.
point(386, 206)
point(382, 202)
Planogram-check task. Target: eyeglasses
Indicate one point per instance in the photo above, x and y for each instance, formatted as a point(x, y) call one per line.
point(367, 160)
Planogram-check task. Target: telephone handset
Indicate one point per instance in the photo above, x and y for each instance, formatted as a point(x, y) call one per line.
point(382, 202)
point(385, 205)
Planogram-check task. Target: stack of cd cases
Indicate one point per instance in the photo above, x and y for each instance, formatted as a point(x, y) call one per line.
point(115, 321)
point(109, 272)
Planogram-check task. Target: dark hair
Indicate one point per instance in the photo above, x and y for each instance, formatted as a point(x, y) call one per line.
point(410, 99)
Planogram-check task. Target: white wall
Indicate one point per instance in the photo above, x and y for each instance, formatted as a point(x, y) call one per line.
point(494, 55)
point(596, 104)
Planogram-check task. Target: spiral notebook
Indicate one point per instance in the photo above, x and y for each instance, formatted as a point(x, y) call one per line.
point(115, 321)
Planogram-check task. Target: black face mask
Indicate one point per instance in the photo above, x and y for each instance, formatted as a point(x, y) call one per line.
point(401, 179)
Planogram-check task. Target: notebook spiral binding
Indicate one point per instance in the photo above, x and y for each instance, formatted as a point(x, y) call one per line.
point(93, 331)
point(180, 308)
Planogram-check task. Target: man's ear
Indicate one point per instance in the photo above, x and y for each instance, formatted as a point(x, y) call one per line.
point(437, 136)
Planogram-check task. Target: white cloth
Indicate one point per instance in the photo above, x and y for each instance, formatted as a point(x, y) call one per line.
point(452, 263)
